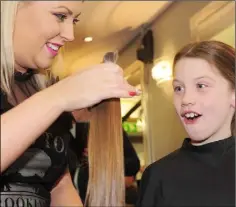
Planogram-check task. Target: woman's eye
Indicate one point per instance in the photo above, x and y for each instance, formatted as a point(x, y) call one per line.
point(61, 17)
point(75, 21)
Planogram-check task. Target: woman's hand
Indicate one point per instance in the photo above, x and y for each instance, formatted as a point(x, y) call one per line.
point(91, 86)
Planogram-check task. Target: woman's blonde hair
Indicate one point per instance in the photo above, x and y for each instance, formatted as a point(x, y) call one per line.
point(8, 13)
point(43, 77)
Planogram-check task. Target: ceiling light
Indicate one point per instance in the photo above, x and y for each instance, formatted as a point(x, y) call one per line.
point(162, 71)
point(88, 39)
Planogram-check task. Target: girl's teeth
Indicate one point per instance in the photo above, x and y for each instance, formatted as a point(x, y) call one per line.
point(191, 115)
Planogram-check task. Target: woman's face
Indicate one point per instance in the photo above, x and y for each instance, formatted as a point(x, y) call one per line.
point(204, 100)
point(41, 29)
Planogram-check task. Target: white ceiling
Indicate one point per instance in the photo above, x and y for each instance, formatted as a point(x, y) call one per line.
point(112, 24)
point(227, 35)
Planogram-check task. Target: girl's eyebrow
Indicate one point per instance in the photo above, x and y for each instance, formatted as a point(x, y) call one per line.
point(197, 78)
point(176, 80)
point(201, 77)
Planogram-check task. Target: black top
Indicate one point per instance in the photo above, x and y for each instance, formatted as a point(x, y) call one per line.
point(192, 176)
point(29, 180)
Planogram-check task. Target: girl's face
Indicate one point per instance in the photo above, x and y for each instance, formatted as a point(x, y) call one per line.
point(203, 99)
point(41, 28)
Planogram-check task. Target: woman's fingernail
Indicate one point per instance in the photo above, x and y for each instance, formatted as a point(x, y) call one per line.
point(137, 92)
point(132, 93)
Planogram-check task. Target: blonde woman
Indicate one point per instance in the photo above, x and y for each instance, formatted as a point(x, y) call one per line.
point(33, 134)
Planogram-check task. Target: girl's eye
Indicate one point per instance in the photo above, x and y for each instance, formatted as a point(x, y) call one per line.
point(201, 85)
point(178, 88)
point(61, 17)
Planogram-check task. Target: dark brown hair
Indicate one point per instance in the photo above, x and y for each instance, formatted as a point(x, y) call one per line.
point(219, 54)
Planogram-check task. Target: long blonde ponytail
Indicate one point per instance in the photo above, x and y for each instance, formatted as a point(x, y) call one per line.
point(106, 185)
point(106, 157)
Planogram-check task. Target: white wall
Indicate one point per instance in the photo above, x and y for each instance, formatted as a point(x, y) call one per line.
point(171, 32)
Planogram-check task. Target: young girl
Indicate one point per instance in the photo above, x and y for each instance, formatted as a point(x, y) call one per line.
point(202, 171)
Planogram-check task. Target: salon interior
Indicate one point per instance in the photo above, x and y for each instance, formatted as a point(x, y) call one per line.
point(146, 35)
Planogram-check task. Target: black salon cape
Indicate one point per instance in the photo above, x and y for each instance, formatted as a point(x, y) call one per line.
point(192, 176)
